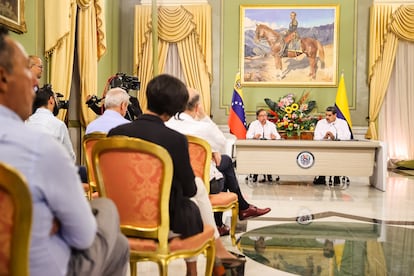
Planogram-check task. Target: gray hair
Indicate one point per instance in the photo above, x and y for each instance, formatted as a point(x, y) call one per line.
point(115, 97)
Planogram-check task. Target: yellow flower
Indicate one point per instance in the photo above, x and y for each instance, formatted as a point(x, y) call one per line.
point(295, 106)
point(288, 109)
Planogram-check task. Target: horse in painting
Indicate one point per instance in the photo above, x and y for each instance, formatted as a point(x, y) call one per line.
point(312, 48)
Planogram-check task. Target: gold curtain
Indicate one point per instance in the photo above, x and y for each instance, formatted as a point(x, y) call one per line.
point(91, 46)
point(60, 27)
point(60, 23)
point(187, 26)
point(387, 27)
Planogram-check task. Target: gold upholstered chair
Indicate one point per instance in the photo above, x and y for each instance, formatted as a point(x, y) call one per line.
point(137, 176)
point(89, 140)
point(200, 158)
point(15, 222)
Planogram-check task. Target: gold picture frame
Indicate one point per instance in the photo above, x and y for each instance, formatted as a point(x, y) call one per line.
point(274, 55)
point(12, 15)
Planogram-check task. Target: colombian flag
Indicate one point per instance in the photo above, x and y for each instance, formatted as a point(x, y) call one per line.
point(237, 117)
point(341, 104)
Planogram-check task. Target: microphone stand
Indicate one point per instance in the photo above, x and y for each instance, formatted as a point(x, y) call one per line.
point(336, 132)
point(263, 137)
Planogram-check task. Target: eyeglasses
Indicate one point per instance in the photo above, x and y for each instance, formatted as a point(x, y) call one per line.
point(38, 66)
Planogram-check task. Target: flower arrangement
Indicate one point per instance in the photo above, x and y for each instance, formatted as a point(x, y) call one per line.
point(291, 115)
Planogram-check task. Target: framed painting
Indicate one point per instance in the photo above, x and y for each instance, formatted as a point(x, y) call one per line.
point(12, 15)
point(289, 45)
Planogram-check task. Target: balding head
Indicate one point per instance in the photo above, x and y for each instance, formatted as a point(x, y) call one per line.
point(193, 99)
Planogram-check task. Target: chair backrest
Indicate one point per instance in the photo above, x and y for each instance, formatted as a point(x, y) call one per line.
point(15, 222)
point(89, 140)
point(137, 176)
point(200, 158)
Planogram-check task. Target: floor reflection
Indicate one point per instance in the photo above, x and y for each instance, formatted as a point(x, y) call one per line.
point(332, 248)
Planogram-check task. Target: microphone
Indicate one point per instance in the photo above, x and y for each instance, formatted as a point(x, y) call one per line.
point(263, 138)
point(336, 132)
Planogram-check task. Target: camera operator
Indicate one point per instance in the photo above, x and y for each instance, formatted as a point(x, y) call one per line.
point(125, 82)
point(46, 106)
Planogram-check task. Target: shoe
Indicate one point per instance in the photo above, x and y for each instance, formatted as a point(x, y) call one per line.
point(252, 212)
point(254, 178)
point(337, 180)
point(320, 180)
point(269, 178)
point(232, 262)
point(218, 269)
point(223, 230)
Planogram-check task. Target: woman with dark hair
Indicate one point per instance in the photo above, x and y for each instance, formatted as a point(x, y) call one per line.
point(167, 95)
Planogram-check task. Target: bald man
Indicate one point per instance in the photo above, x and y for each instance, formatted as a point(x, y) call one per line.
point(36, 66)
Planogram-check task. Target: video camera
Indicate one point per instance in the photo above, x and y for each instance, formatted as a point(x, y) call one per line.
point(61, 104)
point(127, 83)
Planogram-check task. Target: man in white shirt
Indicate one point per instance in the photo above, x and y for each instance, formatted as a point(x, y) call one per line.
point(262, 129)
point(193, 121)
point(116, 106)
point(45, 109)
point(331, 128)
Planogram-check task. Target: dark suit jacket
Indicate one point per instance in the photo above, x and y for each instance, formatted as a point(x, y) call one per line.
point(185, 216)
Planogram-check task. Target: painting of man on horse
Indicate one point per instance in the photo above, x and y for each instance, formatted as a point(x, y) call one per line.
point(293, 49)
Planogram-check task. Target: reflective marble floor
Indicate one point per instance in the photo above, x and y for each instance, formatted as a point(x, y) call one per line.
point(315, 230)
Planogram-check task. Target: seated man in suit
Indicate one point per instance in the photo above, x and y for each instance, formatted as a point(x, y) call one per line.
point(262, 129)
point(331, 128)
point(194, 121)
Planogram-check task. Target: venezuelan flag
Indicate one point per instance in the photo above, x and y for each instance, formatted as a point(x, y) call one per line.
point(341, 104)
point(237, 117)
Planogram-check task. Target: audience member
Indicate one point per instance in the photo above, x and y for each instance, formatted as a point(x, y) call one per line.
point(36, 66)
point(331, 128)
point(262, 129)
point(166, 96)
point(66, 237)
point(116, 106)
point(45, 107)
point(194, 121)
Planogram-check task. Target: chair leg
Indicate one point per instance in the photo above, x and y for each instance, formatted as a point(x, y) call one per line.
point(133, 268)
point(210, 254)
point(234, 216)
point(163, 267)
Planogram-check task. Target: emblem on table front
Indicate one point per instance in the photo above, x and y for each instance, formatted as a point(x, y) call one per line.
point(305, 159)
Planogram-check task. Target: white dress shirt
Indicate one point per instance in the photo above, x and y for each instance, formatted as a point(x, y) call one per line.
point(265, 130)
point(107, 121)
point(205, 129)
point(44, 120)
point(339, 128)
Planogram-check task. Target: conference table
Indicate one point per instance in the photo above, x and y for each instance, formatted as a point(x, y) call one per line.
point(310, 157)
